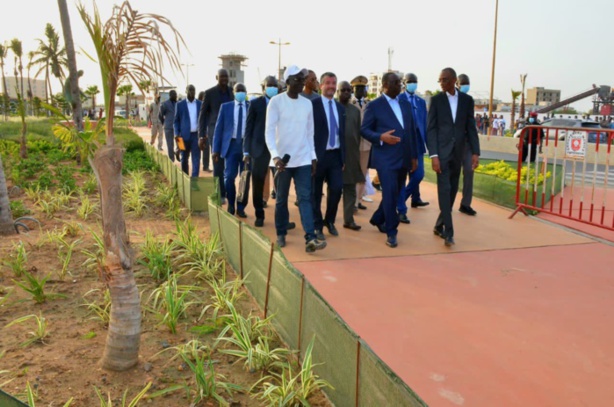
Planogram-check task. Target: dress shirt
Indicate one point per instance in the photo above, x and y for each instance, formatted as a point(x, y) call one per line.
point(289, 129)
point(193, 115)
point(453, 99)
point(236, 119)
point(325, 101)
point(396, 108)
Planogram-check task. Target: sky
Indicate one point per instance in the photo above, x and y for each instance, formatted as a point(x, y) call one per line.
point(560, 44)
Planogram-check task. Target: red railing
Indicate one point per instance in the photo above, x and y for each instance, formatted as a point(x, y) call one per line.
point(586, 190)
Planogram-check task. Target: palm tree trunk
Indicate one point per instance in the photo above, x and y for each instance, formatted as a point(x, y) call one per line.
point(6, 217)
point(512, 124)
point(77, 111)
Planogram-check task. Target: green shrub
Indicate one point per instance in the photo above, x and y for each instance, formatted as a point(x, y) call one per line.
point(138, 160)
point(18, 209)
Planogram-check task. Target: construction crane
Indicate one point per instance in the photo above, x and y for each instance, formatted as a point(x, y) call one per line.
point(602, 91)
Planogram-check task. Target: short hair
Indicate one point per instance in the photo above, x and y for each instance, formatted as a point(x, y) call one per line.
point(386, 77)
point(450, 71)
point(327, 75)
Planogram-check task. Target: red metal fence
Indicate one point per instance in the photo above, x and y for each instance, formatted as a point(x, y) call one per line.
point(585, 192)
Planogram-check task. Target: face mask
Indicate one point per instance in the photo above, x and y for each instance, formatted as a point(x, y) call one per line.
point(271, 91)
point(411, 87)
point(464, 88)
point(240, 97)
point(531, 120)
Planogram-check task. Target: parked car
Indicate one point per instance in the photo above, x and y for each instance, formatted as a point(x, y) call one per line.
point(560, 122)
point(121, 113)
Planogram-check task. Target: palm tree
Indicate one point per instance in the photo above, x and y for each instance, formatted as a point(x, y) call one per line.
point(129, 47)
point(21, 109)
point(126, 91)
point(523, 79)
point(18, 51)
point(5, 95)
point(30, 95)
point(51, 58)
point(91, 92)
point(6, 217)
point(515, 94)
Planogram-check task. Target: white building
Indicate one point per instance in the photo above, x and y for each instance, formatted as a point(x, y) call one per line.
point(38, 87)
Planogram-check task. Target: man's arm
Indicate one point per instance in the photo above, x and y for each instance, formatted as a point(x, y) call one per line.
point(177, 121)
point(218, 134)
point(432, 130)
point(203, 117)
point(369, 123)
point(272, 117)
point(472, 133)
point(252, 116)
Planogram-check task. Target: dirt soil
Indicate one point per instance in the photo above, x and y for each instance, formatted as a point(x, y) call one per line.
point(67, 364)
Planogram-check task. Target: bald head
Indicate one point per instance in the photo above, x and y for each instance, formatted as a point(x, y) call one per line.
point(222, 77)
point(344, 92)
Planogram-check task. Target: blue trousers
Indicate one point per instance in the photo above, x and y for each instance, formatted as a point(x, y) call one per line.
point(233, 165)
point(413, 187)
point(191, 149)
point(302, 185)
point(386, 214)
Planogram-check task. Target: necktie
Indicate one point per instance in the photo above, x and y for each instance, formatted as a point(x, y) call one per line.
point(332, 130)
point(240, 122)
point(360, 103)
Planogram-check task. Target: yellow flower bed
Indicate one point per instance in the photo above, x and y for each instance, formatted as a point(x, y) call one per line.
point(503, 170)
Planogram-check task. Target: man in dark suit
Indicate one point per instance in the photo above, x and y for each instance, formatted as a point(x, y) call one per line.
point(412, 189)
point(389, 126)
point(214, 97)
point(450, 125)
point(256, 153)
point(329, 140)
point(186, 127)
point(228, 144)
point(167, 117)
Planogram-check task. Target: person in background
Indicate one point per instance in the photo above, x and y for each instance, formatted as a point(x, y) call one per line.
point(465, 204)
point(167, 117)
point(359, 100)
point(533, 139)
point(156, 125)
point(186, 127)
point(311, 86)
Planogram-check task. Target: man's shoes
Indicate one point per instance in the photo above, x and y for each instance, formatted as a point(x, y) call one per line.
point(319, 234)
point(367, 199)
point(381, 228)
point(378, 187)
point(177, 155)
point(259, 222)
point(361, 206)
point(264, 204)
point(241, 213)
point(273, 194)
point(314, 244)
point(296, 203)
point(404, 219)
point(281, 241)
point(391, 241)
point(352, 226)
point(331, 228)
point(231, 210)
point(419, 204)
point(438, 231)
point(448, 241)
point(291, 225)
point(467, 210)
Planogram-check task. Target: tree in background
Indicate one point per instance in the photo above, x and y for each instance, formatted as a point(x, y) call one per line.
point(515, 95)
point(51, 57)
point(5, 94)
point(21, 107)
point(523, 79)
point(91, 93)
point(130, 47)
point(126, 92)
point(6, 217)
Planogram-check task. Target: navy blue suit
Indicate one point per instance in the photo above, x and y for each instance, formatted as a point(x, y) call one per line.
point(230, 149)
point(413, 187)
point(392, 162)
point(330, 163)
point(190, 139)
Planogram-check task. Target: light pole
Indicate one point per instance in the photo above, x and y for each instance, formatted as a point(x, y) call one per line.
point(279, 44)
point(187, 72)
point(492, 76)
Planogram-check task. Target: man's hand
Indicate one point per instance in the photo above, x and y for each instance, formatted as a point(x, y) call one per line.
point(246, 159)
point(202, 142)
point(216, 157)
point(314, 164)
point(279, 164)
point(414, 164)
point(436, 165)
point(475, 161)
point(388, 138)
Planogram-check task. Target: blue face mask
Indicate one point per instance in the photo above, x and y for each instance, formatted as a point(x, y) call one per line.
point(271, 91)
point(411, 87)
point(240, 97)
point(464, 88)
point(532, 120)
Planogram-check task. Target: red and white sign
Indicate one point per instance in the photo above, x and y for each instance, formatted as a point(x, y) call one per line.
point(575, 145)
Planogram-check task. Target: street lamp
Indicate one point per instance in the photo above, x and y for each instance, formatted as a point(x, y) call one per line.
point(187, 72)
point(492, 77)
point(279, 43)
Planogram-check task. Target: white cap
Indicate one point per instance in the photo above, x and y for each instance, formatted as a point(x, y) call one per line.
point(293, 70)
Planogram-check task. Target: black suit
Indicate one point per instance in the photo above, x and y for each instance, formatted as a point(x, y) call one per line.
point(254, 144)
point(330, 163)
point(446, 139)
point(206, 127)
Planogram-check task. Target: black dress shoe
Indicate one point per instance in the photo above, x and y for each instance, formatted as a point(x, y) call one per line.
point(438, 231)
point(352, 226)
point(361, 206)
point(403, 218)
point(418, 204)
point(467, 210)
point(319, 234)
point(381, 228)
point(391, 241)
point(259, 222)
point(331, 228)
point(291, 225)
point(449, 241)
point(241, 214)
point(281, 241)
point(265, 204)
point(378, 187)
point(273, 194)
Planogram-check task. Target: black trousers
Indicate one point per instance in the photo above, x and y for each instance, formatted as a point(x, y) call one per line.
point(447, 187)
point(259, 168)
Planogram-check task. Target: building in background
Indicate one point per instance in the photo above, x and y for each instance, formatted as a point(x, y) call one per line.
point(543, 97)
point(38, 87)
point(375, 82)
point(233, 63)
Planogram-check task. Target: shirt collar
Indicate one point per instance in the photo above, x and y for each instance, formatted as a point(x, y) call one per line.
point(455, 95)
point(192, 102)
point(325, 100)
point(388, 98)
